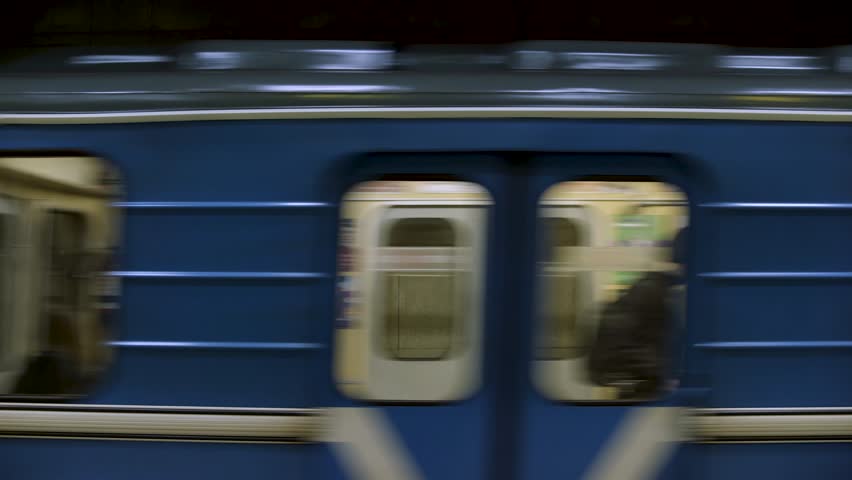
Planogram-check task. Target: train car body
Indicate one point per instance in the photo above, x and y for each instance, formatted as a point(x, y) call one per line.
point(333, 261)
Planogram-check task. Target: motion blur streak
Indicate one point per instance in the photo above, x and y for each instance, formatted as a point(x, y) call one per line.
point(366, 446)
point(640, 448)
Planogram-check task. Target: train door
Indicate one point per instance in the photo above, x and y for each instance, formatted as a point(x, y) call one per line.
point(410, 329)
point(466, 324)
point(608, 376)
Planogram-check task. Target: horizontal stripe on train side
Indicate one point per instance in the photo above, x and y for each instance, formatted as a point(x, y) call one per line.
point(261, 425)
point(752, 425)
point(162, 424)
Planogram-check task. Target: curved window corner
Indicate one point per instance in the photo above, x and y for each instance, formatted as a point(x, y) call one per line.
point(409, 291)
point(610, 290)
point(58, 234)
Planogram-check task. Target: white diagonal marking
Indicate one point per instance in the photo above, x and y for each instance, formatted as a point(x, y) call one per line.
point(367, 447)
point(640, 447)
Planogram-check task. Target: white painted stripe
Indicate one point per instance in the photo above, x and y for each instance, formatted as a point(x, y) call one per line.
point(767, 114)
point(772, 410)
point(763, 427)
point(367, 447)
point(223, 426)
point(640, 447)
point(113, 407)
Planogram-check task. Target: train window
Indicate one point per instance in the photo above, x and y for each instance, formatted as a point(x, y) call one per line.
point(409, 292)
point(562, 305)
point(419, 306)
point(611, 284)
point(6, 276)
point(64, 233)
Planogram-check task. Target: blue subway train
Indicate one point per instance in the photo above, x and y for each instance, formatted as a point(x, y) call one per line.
point(341, 260)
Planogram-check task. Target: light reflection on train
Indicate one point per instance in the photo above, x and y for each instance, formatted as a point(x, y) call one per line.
point(411, 280)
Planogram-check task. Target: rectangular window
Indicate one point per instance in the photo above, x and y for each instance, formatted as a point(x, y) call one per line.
point(611, 279)
point(563, 230)
point(64, 237)
point(409, 293)
point(419, 308)
point(65, 233)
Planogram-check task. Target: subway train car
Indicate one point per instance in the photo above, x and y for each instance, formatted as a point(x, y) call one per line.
point(339, 260)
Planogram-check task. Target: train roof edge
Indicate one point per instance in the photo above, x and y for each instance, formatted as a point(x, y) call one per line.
point(287, 74)
point(288, 55)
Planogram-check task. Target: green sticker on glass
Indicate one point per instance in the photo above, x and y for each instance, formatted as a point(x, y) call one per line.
point(636, 231)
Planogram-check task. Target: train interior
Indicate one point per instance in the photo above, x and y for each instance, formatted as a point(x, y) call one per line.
point(58, 232)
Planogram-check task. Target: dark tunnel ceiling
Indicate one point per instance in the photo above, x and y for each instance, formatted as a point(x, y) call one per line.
point(116, 22)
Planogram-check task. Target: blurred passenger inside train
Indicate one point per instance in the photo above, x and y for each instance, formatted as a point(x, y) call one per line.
point(633, 350)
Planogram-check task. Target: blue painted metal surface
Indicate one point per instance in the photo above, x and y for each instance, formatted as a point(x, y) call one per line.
point(229, 241)
point(85, 460)
point(810, 460)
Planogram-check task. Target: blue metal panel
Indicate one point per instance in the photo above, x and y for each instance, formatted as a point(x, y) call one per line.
point(797, 240)
point(221, 163)
point(767, 310)
point(238, 378)
point(447, 441)
point(685, 462)
point(88, 459)
point(225, 239)
point(777, 461)
point(815, 377)
point(218, 310)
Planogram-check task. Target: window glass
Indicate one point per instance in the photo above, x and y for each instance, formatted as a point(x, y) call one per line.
point(64, 251)
point(611, 289)
point(6, 273)
point(57, 241)
point(562, 309)
point(409, 291)
point(419, 304)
